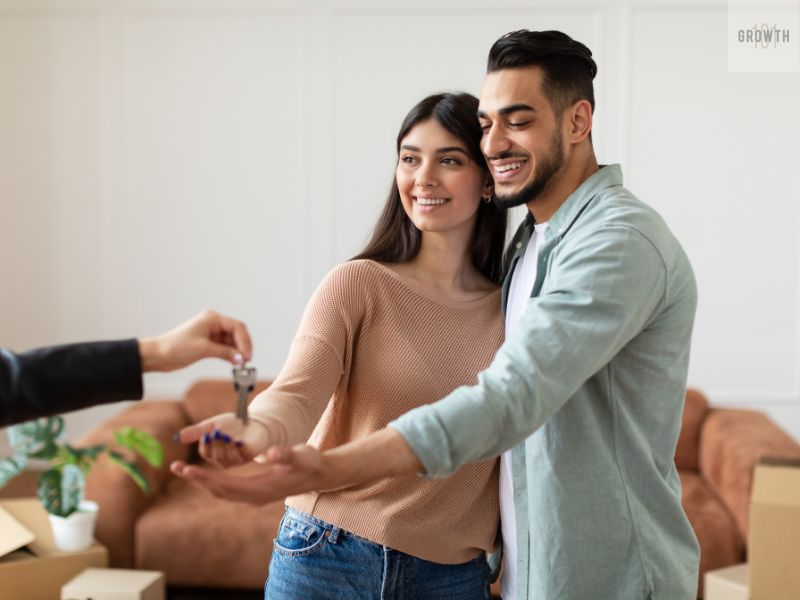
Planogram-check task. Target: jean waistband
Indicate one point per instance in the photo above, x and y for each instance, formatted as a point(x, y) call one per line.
point(334, 531)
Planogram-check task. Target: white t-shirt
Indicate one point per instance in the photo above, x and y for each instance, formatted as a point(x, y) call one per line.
point(518, 294)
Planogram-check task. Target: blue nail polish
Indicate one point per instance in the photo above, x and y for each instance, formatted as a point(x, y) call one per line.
point(207, 439)
point(217, 434)
point(239, 443)
point(226, 438)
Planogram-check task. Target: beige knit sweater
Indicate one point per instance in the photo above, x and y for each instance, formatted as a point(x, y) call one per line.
point(369, 348)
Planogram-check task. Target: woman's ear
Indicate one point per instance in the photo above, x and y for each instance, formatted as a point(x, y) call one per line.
point(488, 187)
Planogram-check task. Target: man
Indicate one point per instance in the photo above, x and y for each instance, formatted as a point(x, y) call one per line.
point(588, 387)
point(64, 378)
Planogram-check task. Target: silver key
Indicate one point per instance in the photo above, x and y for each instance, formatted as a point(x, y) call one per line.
point(244, 380)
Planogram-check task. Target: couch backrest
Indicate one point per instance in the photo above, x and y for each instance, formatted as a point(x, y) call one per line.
point(209, 397)
point(694, 412)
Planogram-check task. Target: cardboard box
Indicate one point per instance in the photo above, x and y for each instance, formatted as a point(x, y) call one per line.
point(115, 584)
point(774, 537)
point(31, 567)
point(730, 583)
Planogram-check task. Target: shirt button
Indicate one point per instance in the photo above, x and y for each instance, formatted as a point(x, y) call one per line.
point(519, 245)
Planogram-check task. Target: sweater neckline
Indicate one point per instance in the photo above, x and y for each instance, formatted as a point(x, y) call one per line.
point(418, 291)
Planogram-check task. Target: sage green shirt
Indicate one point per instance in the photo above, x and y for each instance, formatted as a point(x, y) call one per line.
point(588, 390)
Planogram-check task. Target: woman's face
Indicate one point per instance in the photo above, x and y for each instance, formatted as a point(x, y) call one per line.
point(440, 185)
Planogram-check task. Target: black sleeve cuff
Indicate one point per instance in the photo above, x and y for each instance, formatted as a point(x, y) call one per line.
point(65, 378)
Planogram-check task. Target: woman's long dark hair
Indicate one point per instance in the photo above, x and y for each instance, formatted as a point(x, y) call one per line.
point(395, 238)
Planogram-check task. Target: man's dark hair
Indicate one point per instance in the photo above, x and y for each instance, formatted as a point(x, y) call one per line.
point(567, 65)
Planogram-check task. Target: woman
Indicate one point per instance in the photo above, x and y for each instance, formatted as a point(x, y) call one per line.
point(411, 318)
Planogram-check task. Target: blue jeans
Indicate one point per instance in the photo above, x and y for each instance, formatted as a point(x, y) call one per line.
point(315, 560)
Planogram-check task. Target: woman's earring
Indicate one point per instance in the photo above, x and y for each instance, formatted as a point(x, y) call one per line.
point(487, 198)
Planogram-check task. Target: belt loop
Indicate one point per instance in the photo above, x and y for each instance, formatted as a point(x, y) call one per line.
point(333, 536)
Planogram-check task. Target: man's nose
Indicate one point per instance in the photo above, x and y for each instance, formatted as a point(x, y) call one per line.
point(495, 142)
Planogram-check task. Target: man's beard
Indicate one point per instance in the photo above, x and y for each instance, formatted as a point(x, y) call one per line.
point(546, 168)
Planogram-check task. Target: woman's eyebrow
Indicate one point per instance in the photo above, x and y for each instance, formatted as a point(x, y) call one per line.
point(444, 150)
point(451, 149)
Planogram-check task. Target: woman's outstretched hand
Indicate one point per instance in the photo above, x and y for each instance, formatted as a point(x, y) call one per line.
point(224, 441)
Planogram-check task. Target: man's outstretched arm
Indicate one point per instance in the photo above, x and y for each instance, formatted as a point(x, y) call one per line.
point(604, 296)
point(290, 471)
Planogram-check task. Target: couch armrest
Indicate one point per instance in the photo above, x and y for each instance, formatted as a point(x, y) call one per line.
point(120, 499)
point(731, 443)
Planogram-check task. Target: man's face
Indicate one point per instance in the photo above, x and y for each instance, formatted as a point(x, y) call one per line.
point(522, 137)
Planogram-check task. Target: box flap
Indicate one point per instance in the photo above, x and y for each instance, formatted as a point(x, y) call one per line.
point(30, 513)
point(779, 461)
point(13, 535)
point(773, 484)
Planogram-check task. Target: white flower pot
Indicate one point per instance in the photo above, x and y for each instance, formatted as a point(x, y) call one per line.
point(75, 532)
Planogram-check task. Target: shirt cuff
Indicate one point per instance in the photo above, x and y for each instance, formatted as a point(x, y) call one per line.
point(423, 431)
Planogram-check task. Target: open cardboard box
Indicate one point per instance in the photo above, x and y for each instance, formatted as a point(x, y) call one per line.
point(31, 567)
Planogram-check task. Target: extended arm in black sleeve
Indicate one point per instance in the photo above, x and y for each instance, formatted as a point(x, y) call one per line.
point(60, 379)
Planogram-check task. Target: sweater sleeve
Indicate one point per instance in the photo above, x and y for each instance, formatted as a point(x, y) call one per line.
point(60, 379)
point(318, 359)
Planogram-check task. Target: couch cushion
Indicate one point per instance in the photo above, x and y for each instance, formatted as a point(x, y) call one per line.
point(694, 411)
point(209, 397)
point(713, 524)
point(199, 540)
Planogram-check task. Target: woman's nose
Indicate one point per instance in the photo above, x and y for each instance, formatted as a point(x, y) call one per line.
point(426, 176)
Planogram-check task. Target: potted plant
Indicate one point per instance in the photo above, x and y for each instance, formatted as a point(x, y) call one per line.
point(61, 487)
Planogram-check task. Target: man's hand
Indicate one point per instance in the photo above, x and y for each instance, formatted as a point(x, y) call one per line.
point(208, 335)
point(288, 471)
point(302, 468)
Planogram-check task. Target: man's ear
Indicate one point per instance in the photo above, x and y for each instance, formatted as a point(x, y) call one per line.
point(579, 124)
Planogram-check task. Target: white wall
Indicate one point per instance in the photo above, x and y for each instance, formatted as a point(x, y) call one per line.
point(160, 157)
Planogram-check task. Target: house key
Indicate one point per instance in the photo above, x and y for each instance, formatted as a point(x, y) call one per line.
point(244, 380)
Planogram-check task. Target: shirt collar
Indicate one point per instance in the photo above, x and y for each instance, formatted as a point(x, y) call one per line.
point(605, 177)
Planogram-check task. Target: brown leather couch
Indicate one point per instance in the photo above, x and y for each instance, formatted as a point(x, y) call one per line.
point(716, 454)
point(198, 540)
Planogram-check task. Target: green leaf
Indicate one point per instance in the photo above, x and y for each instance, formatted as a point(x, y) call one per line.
point(83, 458)
point(145, 444)
point(131, 469)
point(37, 438)
point(73, 484)
point(92, 452)
point(61, 491)
point(11, 467)
point(47, 451)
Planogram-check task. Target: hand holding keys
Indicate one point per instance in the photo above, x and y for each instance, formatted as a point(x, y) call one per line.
point(244, 380)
